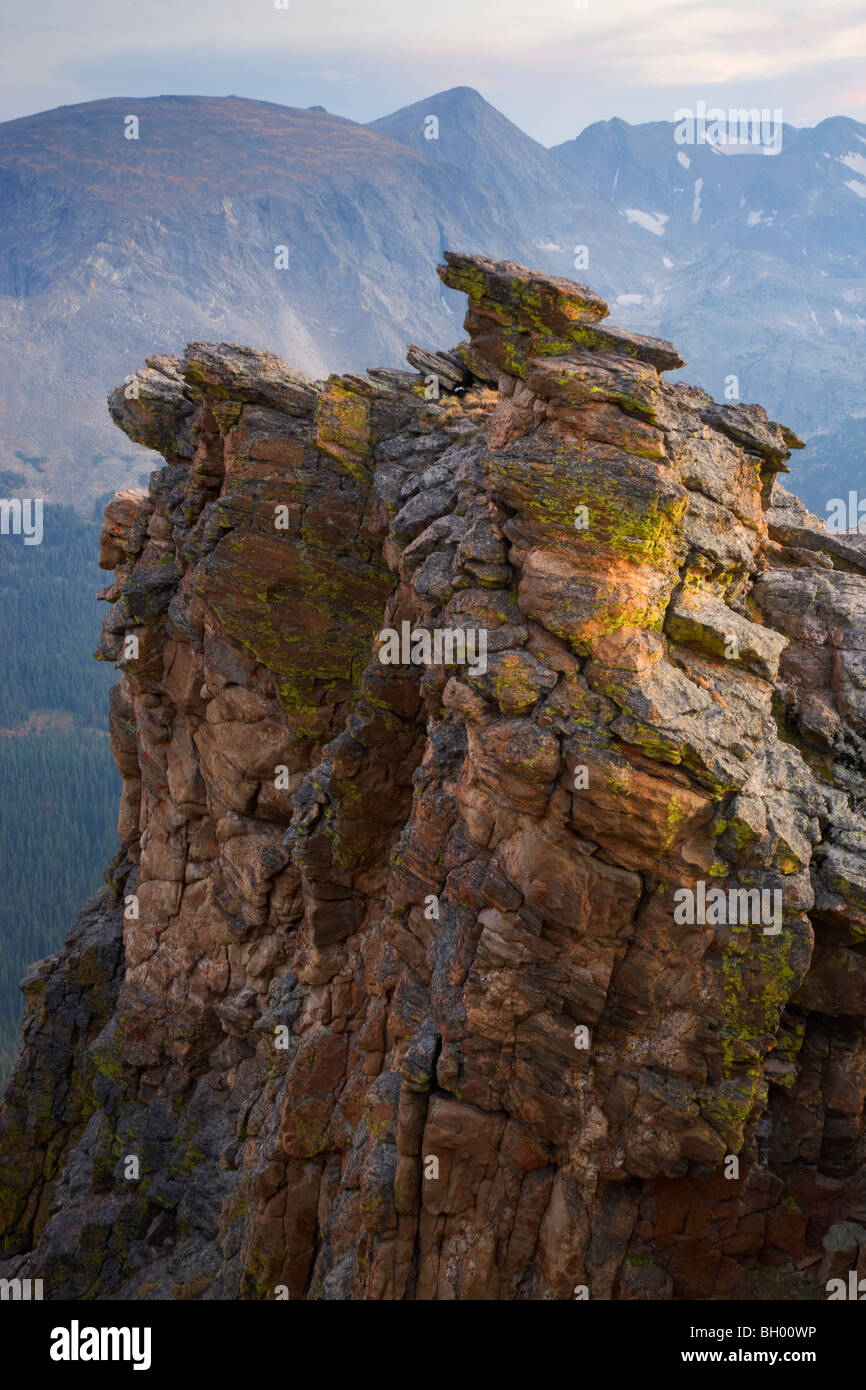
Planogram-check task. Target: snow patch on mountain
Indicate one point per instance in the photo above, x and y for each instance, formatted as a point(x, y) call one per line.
point(651, 221)
point(854, 161)
point(696, 205)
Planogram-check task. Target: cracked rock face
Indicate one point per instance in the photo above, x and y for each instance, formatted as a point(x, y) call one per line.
point(537, 969)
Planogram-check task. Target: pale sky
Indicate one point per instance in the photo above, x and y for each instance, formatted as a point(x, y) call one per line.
point(551, 66)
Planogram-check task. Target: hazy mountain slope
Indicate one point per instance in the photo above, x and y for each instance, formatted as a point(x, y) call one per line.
point(766, 273)
point(534, 197)
point(112, 248)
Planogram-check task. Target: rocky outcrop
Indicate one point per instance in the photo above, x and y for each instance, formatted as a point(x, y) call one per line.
point(493, 879)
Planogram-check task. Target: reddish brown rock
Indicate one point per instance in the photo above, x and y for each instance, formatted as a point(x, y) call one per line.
point(392, 992)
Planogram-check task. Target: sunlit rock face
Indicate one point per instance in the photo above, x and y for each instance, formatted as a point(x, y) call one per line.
point(489, 917)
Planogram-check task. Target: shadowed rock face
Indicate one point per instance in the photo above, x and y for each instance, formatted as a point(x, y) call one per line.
point(394, 992)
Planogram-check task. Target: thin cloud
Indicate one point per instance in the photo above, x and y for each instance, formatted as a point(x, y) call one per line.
point(550, 66)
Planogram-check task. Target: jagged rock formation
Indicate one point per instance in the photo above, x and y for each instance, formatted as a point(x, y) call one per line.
point(391, 994)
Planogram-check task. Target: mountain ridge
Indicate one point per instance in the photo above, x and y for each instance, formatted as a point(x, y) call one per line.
point(175, 236)
point(158, 277)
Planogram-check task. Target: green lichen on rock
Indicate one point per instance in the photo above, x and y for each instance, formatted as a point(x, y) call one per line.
point(343, 429)
point(757, 975)
point(631, 517)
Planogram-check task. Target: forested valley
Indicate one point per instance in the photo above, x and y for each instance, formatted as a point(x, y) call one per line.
point(58, 784)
